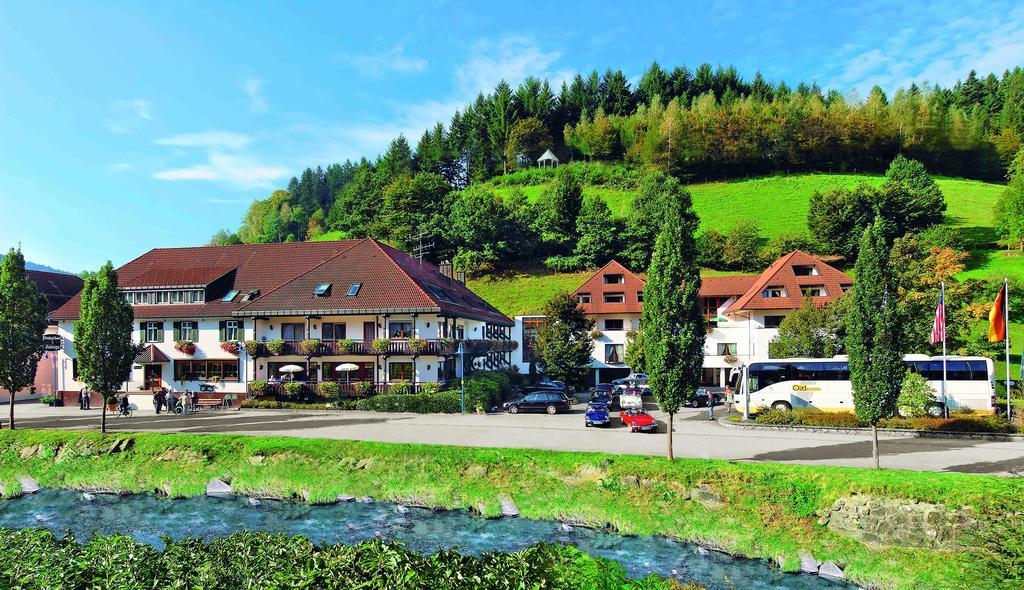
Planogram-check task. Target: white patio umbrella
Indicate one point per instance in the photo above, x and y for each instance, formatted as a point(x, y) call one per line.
point(348, 368)
point(290, 369)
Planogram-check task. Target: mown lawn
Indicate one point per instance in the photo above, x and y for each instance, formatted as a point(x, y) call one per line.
point(768, 510)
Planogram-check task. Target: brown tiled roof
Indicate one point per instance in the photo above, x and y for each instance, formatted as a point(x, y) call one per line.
point(287, 274)
point(151, 354)
point(781, 274)
point(57, 287)
point(595, 286)
point(168, 277)
point(390, 281)
point(726, 286)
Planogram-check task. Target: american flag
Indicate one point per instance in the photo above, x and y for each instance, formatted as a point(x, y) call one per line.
point(939, 328)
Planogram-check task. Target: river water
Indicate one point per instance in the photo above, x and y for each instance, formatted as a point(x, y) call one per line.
point(148, 517)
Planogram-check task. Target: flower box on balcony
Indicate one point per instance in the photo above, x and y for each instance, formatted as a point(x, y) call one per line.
point(252, 348)
point(310, 346)
point(276, 346)
point(732, 359)
point(345, 346)
point(381, 345)
point(185, 347)
point(230, 347)
point(418, 345)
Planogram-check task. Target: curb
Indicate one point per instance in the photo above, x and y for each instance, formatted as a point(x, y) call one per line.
point(882, 433)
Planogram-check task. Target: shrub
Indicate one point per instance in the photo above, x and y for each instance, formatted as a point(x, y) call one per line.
point(380, 345)
point(992, 424)
point(329, 389)
point(400, 388)
point(259, 387)
point(293, 389)
point(309, 346)
point(418, 345)
point(808, 417)
point(276, 346)
point(276, 405)
point(430, 388)
point(48, 400)
point(363, 388)
point(446, 402)
point(251, 347)
point(916, 396)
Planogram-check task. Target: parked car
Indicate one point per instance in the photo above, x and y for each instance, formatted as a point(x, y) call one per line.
point(553, 384)
point(597, 415)
point(631, 378)
point(549, 401)
point(703, 397)
point(604, 387)
point(638, 420)
point(604, 397)
point(631, 398)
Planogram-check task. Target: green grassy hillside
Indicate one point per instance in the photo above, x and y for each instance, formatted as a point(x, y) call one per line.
point(779, 203)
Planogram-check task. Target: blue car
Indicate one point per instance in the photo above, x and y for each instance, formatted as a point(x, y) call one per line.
point(597, 415)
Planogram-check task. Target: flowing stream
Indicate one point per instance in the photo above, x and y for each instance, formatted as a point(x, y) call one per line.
point(148, 517)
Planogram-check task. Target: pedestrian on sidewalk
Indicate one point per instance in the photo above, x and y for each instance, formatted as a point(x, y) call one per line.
point(158, 401)
point(83, 400)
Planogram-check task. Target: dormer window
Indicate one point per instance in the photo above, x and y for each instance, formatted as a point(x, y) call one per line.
point(615, 279)
point(353, 289)
point(813, 291)
point(773, 292)
point(846, 287)
point(230, 296)
point(322, 290)
point(805, 270)
point(614, 297)
point(583, 298)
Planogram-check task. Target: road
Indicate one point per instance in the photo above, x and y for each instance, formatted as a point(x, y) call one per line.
point(695, 436)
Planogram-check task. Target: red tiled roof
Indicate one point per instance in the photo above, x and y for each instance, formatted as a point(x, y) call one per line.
point(726, 286)
point(185, 276)
point(781, 274)
point(596, 287)
point(151, 354)
point(57, 287)
point(286, 275)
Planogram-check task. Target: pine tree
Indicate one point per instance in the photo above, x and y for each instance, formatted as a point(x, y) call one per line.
point(103, 337)
point(22, 322)
point(874, 338)
point(672, 320)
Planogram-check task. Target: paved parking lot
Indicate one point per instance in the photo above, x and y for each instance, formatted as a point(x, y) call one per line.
point(695, 436)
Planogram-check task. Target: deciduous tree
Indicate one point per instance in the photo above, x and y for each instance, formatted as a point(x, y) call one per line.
point(22, 322)
point(564, 347)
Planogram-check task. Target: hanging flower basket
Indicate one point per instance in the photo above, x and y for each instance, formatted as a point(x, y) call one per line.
point(252, 348)
point(275, 346)
point(380, 345)
point(185, 347)
point(310, 346)
point(230, 347)
point(732, 359)
point(345, 346)
point(418, 345)
point(595, 334)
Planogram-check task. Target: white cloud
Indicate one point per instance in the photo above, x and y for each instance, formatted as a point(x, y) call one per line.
point(129, 114)
point(213, 139)
point(243, 171)
point(512, 58)
point(253, 88)
point(393, 60)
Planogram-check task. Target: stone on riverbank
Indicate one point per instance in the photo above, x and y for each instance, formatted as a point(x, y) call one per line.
point(218, 487)
point(808, 564)
point(898, 522)
point(830, 571)
point(508, 507)
point(345, 498)
point(28, 485)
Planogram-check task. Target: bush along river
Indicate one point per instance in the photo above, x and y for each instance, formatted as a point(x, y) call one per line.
point(149, 518)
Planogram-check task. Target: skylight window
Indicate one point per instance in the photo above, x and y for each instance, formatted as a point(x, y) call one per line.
point(251, 295)
point(230, 296)
point(353, 289)
point(322, 290)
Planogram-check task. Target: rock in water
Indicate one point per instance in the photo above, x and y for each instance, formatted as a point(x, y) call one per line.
point(366, 500)
point(808, 564)
point(28, 485)
point(830, 571)
point(401, 509)
point(702, 551)
point(254, 502)
point(565, 528)
point(218, 487)
point(88, 497)
point(346, 498)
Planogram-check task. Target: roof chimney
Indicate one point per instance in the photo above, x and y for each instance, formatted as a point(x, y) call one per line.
point(445, 268)
point(461, 277)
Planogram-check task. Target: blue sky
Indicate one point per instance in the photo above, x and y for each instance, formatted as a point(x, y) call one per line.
point(127, 126)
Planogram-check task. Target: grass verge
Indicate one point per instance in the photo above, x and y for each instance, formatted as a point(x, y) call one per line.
point(767, 510)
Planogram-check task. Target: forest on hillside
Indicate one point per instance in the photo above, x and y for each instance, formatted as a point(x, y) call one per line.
point(708, 123)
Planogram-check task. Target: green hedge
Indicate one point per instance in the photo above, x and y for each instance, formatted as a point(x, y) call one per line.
point(35, 558)
point(959, 422)
point(276, 405)
point(438, 403)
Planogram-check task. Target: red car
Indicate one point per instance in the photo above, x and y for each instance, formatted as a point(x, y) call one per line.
point(638, 420)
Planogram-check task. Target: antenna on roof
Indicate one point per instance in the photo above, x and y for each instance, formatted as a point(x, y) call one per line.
point(420, 249)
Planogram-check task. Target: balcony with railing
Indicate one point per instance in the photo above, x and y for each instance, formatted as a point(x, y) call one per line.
point(382, 347)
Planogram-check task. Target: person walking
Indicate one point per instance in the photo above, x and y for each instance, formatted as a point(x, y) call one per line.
point(157, 400)
point(84, 401)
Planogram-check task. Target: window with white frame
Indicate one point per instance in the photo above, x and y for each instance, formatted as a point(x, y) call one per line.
point(231, 331)
point(583, 298)
point(773, 292)
point(813, 291)
point(189, 332)
point(613, 325)
point(153, 331)
point(614, 297)
point(726, 348)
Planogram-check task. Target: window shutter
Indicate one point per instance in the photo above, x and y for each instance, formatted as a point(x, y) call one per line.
point(177, 331)
point(223, 330)
point(160, 332)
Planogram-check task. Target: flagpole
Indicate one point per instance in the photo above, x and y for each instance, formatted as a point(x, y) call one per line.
point(1006, 330)
point(942, 298)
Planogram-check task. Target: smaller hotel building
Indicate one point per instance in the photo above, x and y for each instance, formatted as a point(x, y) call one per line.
point(742, 313)
point(311, 306)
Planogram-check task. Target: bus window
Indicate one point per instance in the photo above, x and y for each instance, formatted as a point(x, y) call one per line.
point(979, 370)
point(763, 375)
point(837, 371)
point(806, 371)
point(956, 371)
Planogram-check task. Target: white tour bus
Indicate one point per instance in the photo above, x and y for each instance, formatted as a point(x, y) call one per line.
point(824, 384)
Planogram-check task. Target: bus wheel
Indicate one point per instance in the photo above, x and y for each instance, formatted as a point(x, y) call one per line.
point(782, 406)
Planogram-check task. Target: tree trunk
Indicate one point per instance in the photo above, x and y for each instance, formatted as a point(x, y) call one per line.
point(103, 415)
point(874, 444)
point(11, 420)
point(670, 456)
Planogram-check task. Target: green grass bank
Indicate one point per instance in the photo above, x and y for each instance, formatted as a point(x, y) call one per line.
point(766, 510)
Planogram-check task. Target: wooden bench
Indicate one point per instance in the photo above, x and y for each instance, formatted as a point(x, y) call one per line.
point(212, 402)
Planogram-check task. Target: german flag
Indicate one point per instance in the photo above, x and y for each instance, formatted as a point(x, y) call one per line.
point(997, 318)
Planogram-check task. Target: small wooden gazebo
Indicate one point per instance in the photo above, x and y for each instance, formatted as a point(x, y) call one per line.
point(548, 159)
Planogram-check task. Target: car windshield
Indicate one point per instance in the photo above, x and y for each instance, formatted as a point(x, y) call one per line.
point(598, 407)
